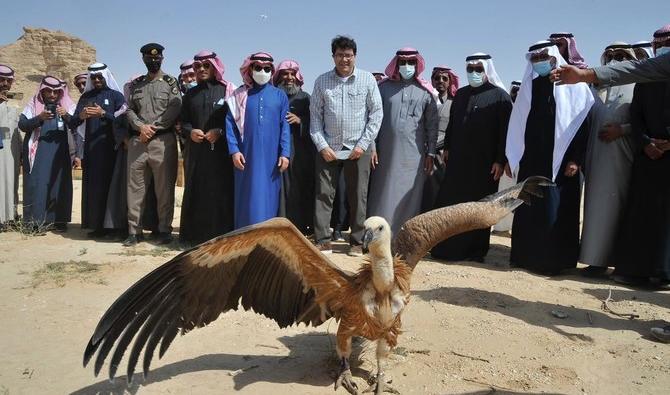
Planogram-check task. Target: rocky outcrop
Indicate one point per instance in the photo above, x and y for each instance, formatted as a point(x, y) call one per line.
point(39, 52)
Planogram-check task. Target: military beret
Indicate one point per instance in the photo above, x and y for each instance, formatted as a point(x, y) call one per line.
point(152, 49)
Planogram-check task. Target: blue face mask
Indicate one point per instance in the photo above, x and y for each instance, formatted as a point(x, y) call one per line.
point(543, 68)
point(476, 79)
point(191, 84)
point(662, 51)
point(406, 71)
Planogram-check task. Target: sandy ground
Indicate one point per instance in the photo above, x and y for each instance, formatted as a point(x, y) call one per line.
point(469, 329)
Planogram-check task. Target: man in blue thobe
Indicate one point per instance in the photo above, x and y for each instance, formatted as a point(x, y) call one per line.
point(259, 142)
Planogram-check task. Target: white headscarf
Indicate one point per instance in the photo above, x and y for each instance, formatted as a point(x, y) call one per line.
point(101, 68)
point(573, 103)
point(489, 69)
point(646, 46)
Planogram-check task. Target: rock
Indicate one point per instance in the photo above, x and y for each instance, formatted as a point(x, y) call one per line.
point(559, 314)
point(40, 52)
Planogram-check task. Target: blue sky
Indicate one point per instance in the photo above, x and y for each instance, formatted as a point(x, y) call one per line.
point(444, 31)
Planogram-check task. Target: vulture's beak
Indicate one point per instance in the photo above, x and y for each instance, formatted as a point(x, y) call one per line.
point(367, 238)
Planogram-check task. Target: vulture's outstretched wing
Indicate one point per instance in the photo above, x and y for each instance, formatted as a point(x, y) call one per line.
point(421, 233)
point(269, 267)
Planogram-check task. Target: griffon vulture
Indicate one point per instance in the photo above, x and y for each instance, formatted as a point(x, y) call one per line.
point(274, 270)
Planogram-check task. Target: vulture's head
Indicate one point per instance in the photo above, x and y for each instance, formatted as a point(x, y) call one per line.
point(377, 235)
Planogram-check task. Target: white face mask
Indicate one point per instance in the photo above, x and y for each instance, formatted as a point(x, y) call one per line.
point(261, 77)
point(406, 71)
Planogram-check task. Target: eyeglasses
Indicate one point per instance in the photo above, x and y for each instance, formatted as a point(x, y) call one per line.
point(441, 78)
point(344, 55)
point(474, 69)
point(258, 68)
point(97, 77)
point(199, 65)
point(402, 62)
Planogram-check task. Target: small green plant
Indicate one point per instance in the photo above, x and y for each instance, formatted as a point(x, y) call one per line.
point(60, 273)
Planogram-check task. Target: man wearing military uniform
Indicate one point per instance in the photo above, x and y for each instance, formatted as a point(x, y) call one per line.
point(153, 107)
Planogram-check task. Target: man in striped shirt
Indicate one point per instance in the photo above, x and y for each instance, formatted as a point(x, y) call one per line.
point(346, 113)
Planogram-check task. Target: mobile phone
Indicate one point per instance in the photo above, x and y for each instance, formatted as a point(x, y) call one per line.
point(51, 108)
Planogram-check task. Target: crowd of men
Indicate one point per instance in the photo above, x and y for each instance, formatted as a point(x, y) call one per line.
point(389, 144)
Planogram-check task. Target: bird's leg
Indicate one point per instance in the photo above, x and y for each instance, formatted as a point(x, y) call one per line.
point(378, 384)
point(345, 379)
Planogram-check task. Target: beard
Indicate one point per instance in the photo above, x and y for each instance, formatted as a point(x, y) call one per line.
point(290, 90)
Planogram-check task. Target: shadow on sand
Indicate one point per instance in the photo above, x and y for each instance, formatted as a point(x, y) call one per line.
point(311, 361)
point(536, 313)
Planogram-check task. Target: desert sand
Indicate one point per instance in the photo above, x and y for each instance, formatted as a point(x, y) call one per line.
point(469, 329)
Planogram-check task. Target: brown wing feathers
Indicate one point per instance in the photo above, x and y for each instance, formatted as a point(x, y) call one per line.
point(270, 268)
point(419, 234)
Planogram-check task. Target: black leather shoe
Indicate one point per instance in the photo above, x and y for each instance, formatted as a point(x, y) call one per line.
point(132, 240)
point(60, 227)
point(164, 238)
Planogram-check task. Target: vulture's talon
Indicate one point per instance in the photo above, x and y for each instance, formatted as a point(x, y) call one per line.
point(346, 380)
point(378, 385)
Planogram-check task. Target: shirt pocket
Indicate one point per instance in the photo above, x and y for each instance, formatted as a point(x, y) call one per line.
point(356, 102)
point(137, 100)
point(162, 100)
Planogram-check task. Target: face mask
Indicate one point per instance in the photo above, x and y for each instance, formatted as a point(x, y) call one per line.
point(153, 65)
point(191, 84)
point(261, 77)
point(543, 68)
point(662, 51)
point(476, 79)
point(406, 71)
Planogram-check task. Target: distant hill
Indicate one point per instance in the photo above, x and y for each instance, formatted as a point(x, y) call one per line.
point(39, 52)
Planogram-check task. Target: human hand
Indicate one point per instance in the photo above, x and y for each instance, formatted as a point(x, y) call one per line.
point(283, 163)
point(238, 160)
point(652, 151)
point(328, 154)
point(45, 115)
point(445, 156)
point(292, 118)
point(497, 171)
point(428, 165)
point(356, 153)
point(374, 160)
point(571, 169)
point(197, 135)
point(213, 135)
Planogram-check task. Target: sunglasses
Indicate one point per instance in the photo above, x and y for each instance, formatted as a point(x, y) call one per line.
point(474, 69)
point(618, 56)
point(97, 77)
point(403, 62)
point(204, 65)
point(441, 78)
point(258, 68)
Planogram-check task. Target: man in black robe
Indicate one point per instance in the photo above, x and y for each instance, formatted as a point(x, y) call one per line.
point(474, 152)
point(547, 137)
point(207, 206)
point(97, 108)
point(644, 238)
point(297, 196)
